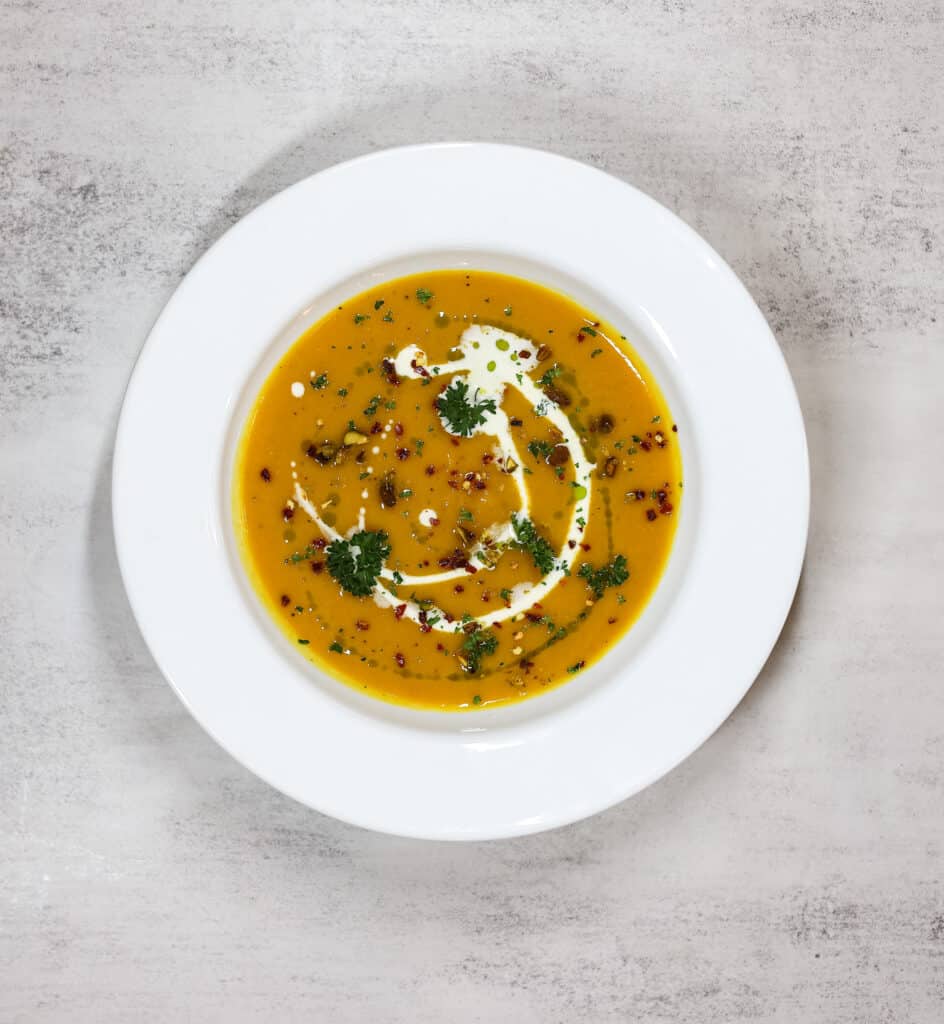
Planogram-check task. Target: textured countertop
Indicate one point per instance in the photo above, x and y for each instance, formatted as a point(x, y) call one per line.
point(792, 869)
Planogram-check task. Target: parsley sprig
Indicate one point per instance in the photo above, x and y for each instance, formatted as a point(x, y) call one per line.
point(356, 563)
point(462, 412)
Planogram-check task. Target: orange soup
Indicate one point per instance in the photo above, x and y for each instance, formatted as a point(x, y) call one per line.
point(457, 489)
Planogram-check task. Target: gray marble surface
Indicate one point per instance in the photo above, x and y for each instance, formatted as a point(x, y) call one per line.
point(792, 869)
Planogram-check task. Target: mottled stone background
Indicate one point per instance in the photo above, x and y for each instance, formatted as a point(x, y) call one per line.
point(792, 869)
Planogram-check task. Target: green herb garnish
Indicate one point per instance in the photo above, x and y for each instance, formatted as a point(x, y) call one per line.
point(461, 412)
point(342, 392)
point(588, 330)
point(614, 574)
point(475, 647)
point(356, 563)
point(359, 318)
point(321, 381)
point(336, 647)
point(550, 376)
point(528, 539)
point(596, 352)
point(465, 514)
point(540, 449)
point(373, 406)
point(378, 303)
point(424, 295)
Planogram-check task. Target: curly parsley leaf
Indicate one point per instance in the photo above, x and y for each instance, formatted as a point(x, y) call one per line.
point(528, 539)
point(462, 412)
point(475, 647)
point(356, 563)
point(614, 574)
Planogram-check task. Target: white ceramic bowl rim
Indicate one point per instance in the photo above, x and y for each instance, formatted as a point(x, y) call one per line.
point(704, 637)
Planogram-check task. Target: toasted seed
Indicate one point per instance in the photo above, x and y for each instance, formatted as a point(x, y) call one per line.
point(544, 353)
point(388, 489)
point(354, 437)
point(557, 395)
point(510, 465)
point(605, 423)
point(610, 466)
point(560, 455)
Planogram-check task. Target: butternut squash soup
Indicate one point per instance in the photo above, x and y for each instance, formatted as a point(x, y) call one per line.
point(457, 489)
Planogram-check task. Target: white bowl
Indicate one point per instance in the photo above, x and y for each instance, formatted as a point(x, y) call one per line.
point(716, 613)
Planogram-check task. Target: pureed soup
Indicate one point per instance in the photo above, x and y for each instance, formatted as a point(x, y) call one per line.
point(457, 489)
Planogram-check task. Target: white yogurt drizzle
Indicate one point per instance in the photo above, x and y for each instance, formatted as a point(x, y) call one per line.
point(490, 360)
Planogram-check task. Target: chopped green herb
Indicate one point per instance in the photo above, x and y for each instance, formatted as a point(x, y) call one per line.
point(576, 667)
point(540, 449)
point(614, 574)
point(475, 647)
point(319, 382)
point(359, 318)
point(636, 439)
point(581, 522)
point(406, 493)
point(502, 345)
point(596, 352)
point(378, 303)
point(476, 699)
point(388, 317)
point(342, 392)
point(587, 330)
point(550, 376)
point(373, 406)
point(356, 563)
point(336, 647)
point(618, 445)
point(655, 419)
point(390, 404)
point(419, 442)
point(541, 408)
point(620, 599)
point(397, 578)
point(424, 295)
point(304, 643)
point(364, 475)
point(465, 514)
point(528, 539)
point(299, 608)
point(505, 594)
point(461, 412)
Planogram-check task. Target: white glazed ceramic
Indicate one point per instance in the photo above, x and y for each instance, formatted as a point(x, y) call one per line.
point(716, 614)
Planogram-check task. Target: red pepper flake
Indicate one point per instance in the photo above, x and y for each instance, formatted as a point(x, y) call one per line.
point(674, 428)
point(571, 544)
point(287, 513)
point(265, 474)
point(402, 453)
point(285, 600)
point(516, 421)
point(399, 659)
point(458, 589)
point(317, 567)
point(434, 520)
point(360, 456)
point(585, 547)
point(319, 544)
point(610, 621)
point(533, 617)
point(646, 446)
point(455, 441)
point(425, 627)
point(398, 429)
point(376, 428)
point(421, 370)
point(650, 515)
point(666, 508)
point(487, 458)
point(362, 625)
point(525, 665)
point(580, 336)
point(439, 647)
point(486, 595)
point(448, 617)
point(430, 470)
point(398, 611)
point(390, 372)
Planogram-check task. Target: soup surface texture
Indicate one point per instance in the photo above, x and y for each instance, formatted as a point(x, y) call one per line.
point(457, 489)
